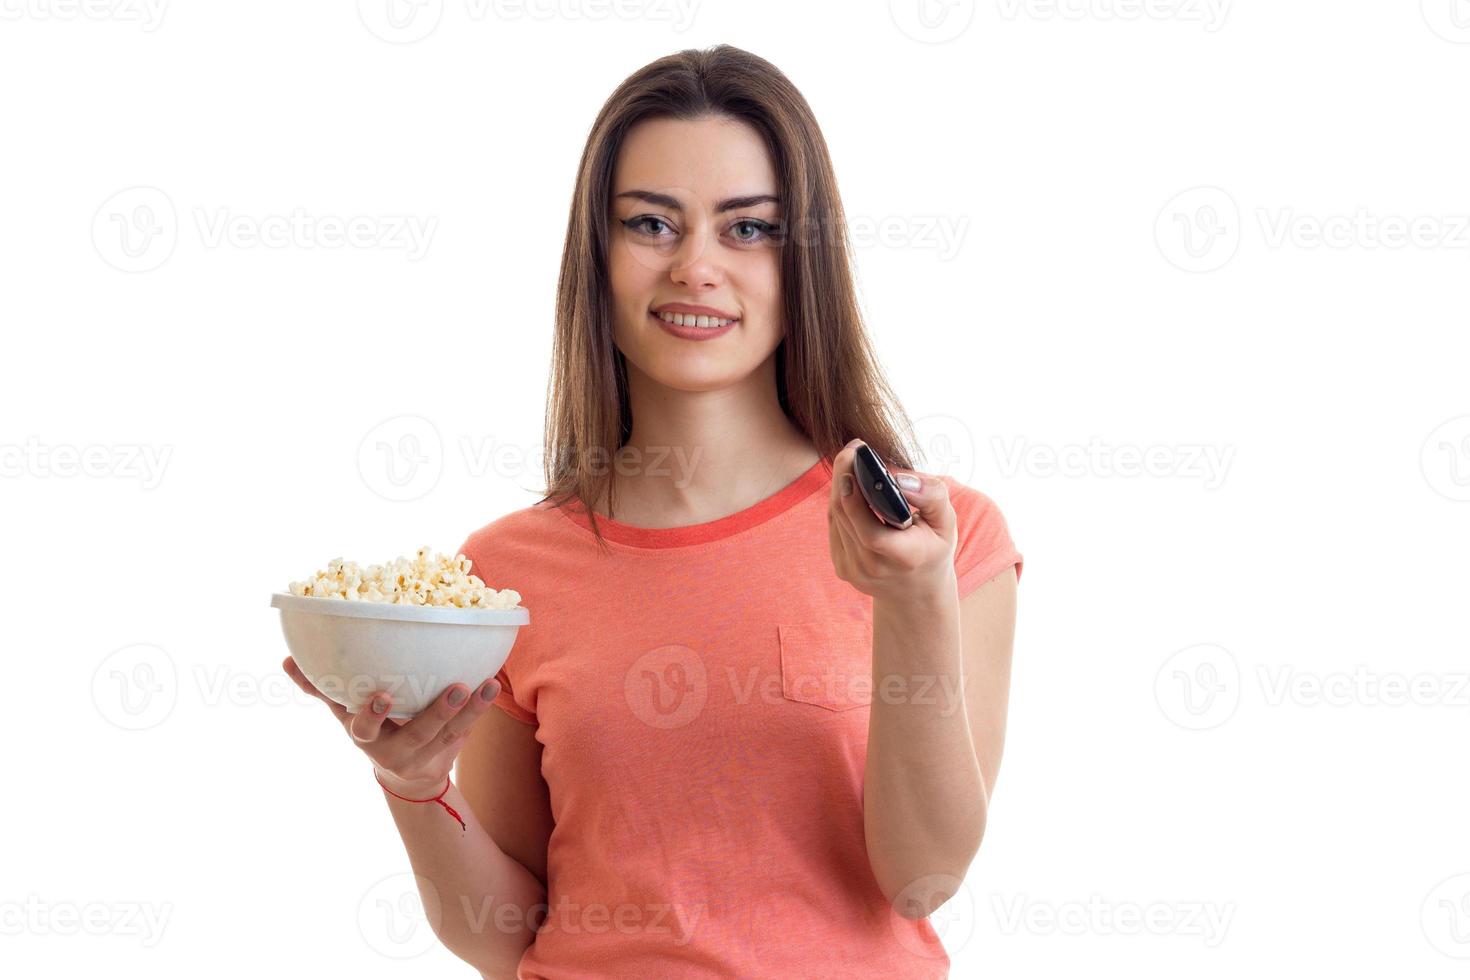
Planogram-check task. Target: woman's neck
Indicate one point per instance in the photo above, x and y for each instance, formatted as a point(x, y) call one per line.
point(684, 488)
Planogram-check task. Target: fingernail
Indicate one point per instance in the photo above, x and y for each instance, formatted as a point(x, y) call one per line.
point(379, 706)
point(908, 481)
point(846, 485)
point(487, 691)
point(457, 696)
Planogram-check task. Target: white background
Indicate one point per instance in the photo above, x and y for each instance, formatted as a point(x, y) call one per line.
point(1188, 230)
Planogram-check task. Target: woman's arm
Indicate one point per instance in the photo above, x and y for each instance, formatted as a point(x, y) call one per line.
point(941, 680)
point(484, 902)
point(473, 893)
point(470, 865)
point(934, 744)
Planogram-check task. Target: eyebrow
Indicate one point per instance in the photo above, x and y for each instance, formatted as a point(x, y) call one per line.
point(728, 204)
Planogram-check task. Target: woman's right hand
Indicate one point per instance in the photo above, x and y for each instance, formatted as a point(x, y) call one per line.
point(414, 757)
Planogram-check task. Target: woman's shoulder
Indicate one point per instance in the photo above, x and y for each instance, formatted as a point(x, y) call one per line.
point(970, 502)
point(516, 538)
point(984, 546)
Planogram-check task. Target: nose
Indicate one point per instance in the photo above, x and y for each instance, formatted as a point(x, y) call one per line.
point(695, 265)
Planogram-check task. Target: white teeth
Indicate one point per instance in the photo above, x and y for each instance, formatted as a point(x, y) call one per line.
point(690, 320)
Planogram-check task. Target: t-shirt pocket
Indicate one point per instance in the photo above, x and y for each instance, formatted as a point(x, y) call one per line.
point(827, 663)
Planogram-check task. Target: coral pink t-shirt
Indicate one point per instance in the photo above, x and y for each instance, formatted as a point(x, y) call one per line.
point(702, 696)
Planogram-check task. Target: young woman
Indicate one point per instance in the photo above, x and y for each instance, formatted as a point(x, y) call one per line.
point(750, 731)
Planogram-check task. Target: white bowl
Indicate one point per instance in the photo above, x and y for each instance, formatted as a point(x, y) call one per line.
point(350, 650)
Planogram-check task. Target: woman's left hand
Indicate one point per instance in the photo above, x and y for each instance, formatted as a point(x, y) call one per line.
point(881, 561)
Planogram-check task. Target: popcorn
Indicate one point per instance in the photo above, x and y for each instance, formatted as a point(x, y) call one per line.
point(427, 579)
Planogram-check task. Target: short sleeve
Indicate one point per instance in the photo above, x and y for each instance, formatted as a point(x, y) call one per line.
point(983, 547)
point(505, 700)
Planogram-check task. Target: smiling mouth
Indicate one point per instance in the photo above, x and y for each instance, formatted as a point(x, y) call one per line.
point(692, 320)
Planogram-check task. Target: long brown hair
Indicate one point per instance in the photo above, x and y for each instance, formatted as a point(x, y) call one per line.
point(827, 377)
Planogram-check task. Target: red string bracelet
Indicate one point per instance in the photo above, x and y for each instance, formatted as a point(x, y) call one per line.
point(433, 799)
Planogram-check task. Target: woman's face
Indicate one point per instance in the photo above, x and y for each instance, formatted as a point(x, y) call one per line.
point(693, 209)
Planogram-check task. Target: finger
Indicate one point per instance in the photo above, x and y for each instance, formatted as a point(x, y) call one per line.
point(367, 724)
point(477, 705)
point(294, 672)
point(931, 501)
point(844, 480)
point(842, 466)
point(861, 522)
point(837, 542)
point(301, 681)
point(427, 724)
point(859, 553)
